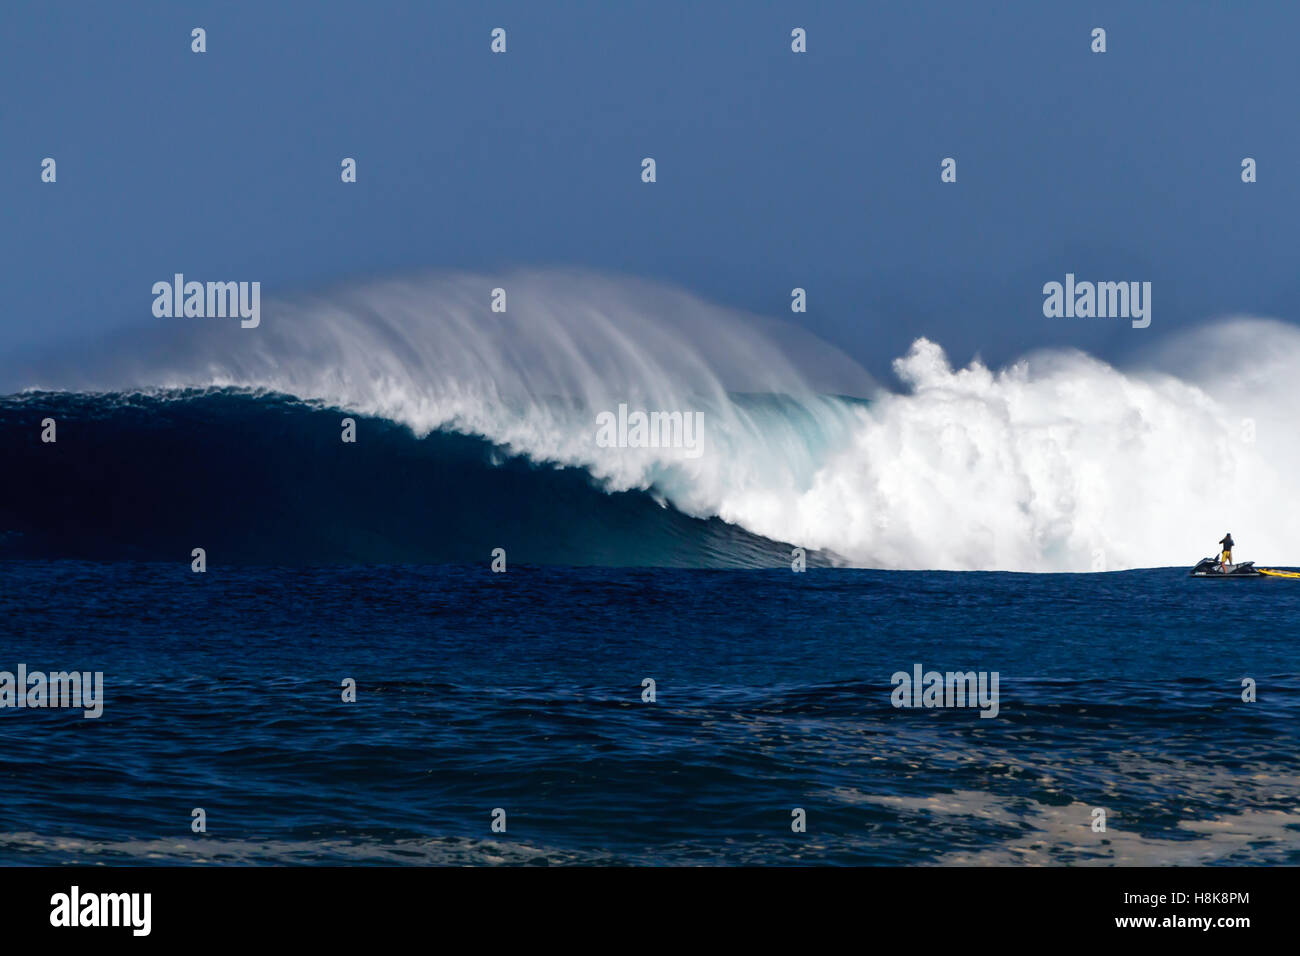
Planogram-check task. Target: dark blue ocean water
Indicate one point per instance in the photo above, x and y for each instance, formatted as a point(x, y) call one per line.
point(522, 691)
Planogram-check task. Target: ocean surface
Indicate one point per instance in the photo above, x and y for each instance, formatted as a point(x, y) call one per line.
point(523, 691)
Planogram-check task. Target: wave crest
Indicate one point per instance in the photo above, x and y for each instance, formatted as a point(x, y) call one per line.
point(1058, 462)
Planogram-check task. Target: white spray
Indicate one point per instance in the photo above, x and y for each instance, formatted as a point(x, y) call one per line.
point(1059, 462)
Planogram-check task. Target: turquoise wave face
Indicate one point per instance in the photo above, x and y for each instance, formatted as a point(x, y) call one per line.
point(267, 479)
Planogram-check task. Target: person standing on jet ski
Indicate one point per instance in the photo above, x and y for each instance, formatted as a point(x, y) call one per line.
point(1227, 543)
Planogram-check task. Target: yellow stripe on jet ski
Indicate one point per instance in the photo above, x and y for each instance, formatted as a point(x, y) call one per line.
point(1279, 574)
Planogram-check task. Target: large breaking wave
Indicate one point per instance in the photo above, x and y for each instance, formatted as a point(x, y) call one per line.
point(1059, 462)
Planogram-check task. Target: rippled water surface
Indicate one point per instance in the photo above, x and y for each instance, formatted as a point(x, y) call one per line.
point(523, 691)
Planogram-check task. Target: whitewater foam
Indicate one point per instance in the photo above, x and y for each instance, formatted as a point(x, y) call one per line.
point(1064, 463)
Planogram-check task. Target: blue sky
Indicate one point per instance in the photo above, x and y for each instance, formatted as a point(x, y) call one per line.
point(775, 170)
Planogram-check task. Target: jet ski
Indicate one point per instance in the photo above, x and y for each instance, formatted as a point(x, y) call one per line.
point(1211, 568)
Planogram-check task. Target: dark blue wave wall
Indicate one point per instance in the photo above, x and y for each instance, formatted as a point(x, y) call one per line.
point(266, 480)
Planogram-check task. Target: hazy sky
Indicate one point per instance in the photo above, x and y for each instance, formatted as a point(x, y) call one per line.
point(775, 170)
